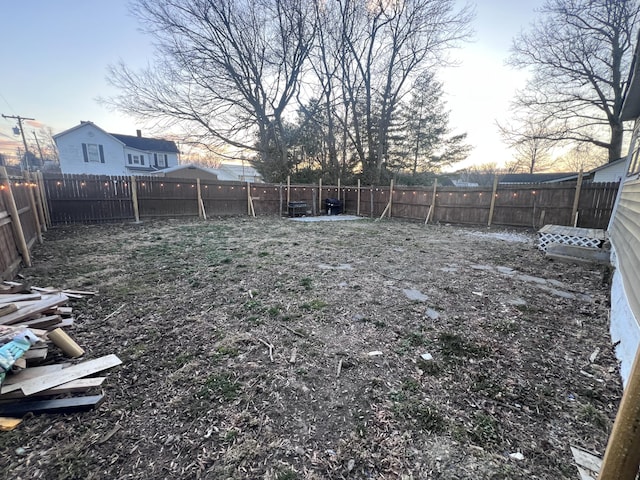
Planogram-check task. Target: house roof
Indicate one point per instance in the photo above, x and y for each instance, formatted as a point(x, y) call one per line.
point(613, 164)
point(148, 144)
point(538, 177)
point(132, 141)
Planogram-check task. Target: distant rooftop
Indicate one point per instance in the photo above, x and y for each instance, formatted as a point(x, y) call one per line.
point(148, 144)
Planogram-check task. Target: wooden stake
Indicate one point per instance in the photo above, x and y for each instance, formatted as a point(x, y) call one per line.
point(494, 192)
point(288, 190)
point(622, 456)
point(33, 207)
point(320, 195)
point(18, 232)
point(432, 207)
point(134, 199)
point(358, 205)
point(576, 201)
point(200, 213)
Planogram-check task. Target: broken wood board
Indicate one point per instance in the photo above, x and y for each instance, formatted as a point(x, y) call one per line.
point(47, 302)
point(74, 386)
point(73, 372)
point(61, 405)
point(7, 423)
point(587, 463)
point(7, 308)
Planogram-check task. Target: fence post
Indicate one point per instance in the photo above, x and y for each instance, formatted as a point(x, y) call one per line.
point(250, 208)
point(371, 210)
point(320, 196)
point(18, 233)
point(576, 201)
point(280, 198)
point(358, 206)
point(494, 192)
point(432, 208)
point(622, 456)
point(43, 198)
point(390, 196)
point(32, 205)
point(339, 196)
point(199, 199)
point(288, 190)
point(134, 198)
point(37, 200)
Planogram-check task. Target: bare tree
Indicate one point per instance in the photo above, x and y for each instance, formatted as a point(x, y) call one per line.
point(581, 157)
point(579, 53)
point(531, 144)
point(396, 42)
point(227, 70)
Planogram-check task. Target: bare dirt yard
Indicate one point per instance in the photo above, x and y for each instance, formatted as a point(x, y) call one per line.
point(274, 349)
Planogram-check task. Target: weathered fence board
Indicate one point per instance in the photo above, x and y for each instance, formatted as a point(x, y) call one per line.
point(20, 226)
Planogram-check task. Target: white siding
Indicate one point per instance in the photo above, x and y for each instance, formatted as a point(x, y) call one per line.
point(613, 173)
point(115, 154)
point(72, 159)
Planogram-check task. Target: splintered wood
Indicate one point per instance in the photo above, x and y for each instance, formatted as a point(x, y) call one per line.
point(60, 387)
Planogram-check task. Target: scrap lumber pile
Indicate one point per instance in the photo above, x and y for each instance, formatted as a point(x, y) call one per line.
point(42, 372)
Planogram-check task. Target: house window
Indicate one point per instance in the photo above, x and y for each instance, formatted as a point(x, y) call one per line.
point(160, 159)
point(634, 165)
point(93, 152)
point(135, 159)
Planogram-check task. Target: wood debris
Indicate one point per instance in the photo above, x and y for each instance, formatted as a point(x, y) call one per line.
point(61, 387)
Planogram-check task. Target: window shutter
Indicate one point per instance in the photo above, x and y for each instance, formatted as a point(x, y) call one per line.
point(84, 152)
point(101, 153)
point(129, 158)
point(141, 159)
point(155, 159)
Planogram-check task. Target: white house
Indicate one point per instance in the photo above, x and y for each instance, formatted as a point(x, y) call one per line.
point(87, 149)
point(624, 231)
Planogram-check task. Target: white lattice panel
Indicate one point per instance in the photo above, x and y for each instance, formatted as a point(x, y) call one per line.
point(578, 241)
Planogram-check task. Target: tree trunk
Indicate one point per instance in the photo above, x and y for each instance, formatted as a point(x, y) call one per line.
point(615, 146)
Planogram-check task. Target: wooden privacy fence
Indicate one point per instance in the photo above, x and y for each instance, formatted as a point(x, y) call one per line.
point(90, 199)
point(23, 218)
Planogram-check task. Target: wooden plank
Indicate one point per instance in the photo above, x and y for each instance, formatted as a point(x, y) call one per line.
point(75, 386)
point(47, 302)
point(586, 460)
point(74, 372)
point(19, 297)
point(36, 353)
point(62, 405)
point(31, 372)
point(42, 322)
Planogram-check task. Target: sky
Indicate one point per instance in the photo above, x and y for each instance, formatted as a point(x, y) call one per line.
point(54, 57)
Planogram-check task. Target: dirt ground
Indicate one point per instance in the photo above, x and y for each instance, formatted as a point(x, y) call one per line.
point(273, 349)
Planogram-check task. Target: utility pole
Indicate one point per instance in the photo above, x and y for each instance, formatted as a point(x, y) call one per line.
point(39, 149)
point(24, 140)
